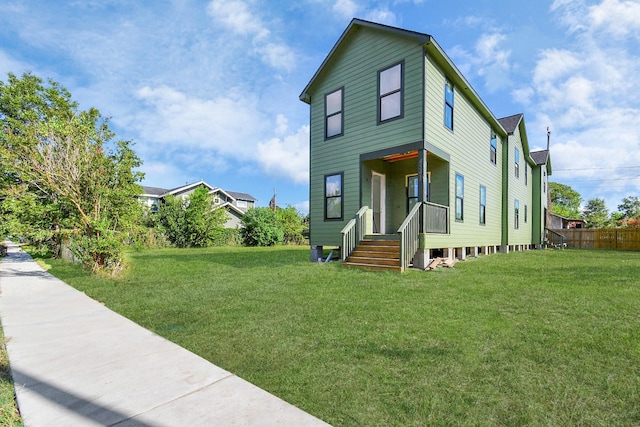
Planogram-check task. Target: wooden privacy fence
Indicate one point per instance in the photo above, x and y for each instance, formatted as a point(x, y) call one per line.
point(620, 239)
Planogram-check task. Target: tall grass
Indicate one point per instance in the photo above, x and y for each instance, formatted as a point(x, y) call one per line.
point(528, 338)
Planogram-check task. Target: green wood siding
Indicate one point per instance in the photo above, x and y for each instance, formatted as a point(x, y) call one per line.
point(468, 148)
point(518, 191)
point(354, 67)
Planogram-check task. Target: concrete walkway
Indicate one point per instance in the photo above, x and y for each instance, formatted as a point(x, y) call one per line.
point(77, 363)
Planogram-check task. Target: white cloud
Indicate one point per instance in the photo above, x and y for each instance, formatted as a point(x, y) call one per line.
point(287, 157)
point(617, 18)
point(554, 64)
point(237, 17)
point(381, 15)
point(488, 60)
point(230, 125)
point(278, 56)
point(346, 8)
point(588, 94)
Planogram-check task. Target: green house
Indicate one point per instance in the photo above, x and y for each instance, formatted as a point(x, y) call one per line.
point(407, 163)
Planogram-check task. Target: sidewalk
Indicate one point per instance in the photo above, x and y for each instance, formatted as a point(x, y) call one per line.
point(76, 363)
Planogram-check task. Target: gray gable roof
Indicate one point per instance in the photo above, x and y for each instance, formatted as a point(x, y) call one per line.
point(510, 123)
point(242, 196)
point(540, 157)
point(355, 22)
point(153, 191)
point(434, 50)
point(160, 192)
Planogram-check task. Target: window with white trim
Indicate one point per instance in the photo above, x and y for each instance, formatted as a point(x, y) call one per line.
point(516, 217)
point(517, 163)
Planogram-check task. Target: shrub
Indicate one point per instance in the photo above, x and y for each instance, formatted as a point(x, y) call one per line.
point(261, 228)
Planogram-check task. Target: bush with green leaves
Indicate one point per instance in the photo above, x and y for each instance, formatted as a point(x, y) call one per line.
point(292, 224)
point(191, 222)
point(261, 228)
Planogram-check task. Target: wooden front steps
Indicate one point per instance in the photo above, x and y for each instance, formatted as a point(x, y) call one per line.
point(380, 253)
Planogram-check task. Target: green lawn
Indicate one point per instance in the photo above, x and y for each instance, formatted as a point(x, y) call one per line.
point(528, 338)
point(9, 415)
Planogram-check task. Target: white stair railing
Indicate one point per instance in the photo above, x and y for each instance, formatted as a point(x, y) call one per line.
point(409, 231)
point(353, 232)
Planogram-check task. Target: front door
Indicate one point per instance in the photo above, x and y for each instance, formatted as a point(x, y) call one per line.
point(378, 194)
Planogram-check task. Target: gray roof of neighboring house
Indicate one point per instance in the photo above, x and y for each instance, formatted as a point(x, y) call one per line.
point(154, 191)
point(540, 157)
point(510, 123)
point(242, 196)
point(157, 191)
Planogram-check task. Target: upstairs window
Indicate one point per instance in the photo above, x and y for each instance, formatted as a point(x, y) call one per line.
point(459, 197)
point(448, 104)
point(333, 196)
point(493, 150)
point(516, 217)
point(333, 114)
point(526, 175)
point(517, 163)
point(483, 205)
point(390, 97)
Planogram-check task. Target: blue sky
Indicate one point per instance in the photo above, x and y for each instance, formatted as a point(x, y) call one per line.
point(209, 89)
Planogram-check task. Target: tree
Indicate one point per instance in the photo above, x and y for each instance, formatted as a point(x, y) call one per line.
point(565, 201)
point(292, 224)
point(55, 156)
point(261, 228)
point(596, 213)
point(630, 208)
point(193, 221)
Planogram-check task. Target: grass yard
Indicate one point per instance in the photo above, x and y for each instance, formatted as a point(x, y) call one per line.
point(528, 338)
point(9, 415)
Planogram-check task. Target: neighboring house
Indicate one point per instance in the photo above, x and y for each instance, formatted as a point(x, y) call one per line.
point(403, 148)
point(560, 222)
point(236, 204)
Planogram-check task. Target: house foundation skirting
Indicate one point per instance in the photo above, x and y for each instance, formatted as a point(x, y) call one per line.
point(425, 256)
